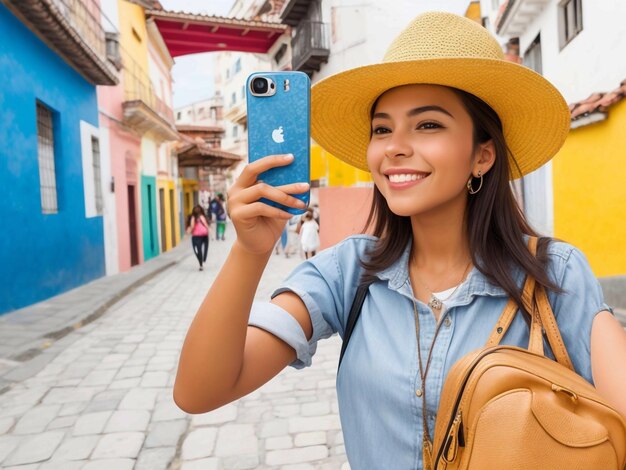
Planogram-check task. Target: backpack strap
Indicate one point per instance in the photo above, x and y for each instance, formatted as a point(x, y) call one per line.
point(551, 328)
point(353, 316)
point(536, 303)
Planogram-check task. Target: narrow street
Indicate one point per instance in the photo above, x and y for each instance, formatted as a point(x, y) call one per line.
point(105, 400)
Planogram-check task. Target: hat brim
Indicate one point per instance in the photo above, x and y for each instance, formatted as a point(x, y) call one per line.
point(534, 115)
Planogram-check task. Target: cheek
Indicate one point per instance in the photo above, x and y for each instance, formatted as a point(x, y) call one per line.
point(372, 156)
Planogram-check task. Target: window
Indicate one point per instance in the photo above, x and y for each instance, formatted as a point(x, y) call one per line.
point(283, 49)
point(570, 21)
point(532, 58)
point(45, 153)
point(237, 67)
point(92, 160)
point(233, 98)
point(178, 115)
point(235, 131)
point(243, 92)
point(97, 179)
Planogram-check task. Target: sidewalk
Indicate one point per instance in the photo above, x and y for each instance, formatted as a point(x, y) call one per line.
point(100, 396)
point(27, 332)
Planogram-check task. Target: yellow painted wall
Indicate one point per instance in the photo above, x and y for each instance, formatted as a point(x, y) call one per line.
point(473, 11)
point(589, 183)
point(166, 185)
point(171, 185)
point(189, 187)
point(323, 164)
point(131, 17)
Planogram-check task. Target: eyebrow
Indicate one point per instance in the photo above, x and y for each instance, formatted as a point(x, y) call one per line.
point(416, 111)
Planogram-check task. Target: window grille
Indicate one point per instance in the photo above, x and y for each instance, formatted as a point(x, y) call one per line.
point(45, 152)
point(95, 150)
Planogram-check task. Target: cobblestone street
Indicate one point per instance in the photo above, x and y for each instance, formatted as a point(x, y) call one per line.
point(104, 398)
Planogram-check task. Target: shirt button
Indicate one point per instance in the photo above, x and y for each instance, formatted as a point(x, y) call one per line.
point(447, 322)
point(418, 392)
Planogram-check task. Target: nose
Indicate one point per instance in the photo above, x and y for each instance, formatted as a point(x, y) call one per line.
point(398, 145)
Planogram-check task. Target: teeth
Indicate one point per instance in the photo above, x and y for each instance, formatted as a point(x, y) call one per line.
point(403, 178)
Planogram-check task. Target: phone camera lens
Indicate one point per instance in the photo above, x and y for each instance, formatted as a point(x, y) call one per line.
point(260, 85)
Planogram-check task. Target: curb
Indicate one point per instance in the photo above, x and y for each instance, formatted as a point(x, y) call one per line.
point(119, 285)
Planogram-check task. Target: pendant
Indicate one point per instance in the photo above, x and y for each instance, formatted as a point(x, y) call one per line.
point(434, 303)
point(427, 454)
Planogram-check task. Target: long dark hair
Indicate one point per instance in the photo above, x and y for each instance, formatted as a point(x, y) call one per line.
point(495, 223)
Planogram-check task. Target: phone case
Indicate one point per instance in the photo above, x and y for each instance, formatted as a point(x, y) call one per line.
point(280, 124)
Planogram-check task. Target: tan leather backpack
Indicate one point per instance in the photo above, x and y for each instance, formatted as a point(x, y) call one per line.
point(504, 407)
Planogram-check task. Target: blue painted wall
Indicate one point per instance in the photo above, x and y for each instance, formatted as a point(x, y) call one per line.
point(42, 255)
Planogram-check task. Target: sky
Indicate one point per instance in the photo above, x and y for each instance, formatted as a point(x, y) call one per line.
point(193, 74)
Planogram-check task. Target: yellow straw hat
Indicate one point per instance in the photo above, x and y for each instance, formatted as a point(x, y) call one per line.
point(443, 49)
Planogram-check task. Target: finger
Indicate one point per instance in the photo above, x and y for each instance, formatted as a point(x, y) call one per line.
point(260, 209)
point(263, 190)
point(294, 188)
point(251, 172)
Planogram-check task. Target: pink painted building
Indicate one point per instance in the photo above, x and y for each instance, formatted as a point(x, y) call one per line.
point(123, 222)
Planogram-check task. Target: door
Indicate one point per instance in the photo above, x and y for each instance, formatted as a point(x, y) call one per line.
point(162, 212)
point(172, 218)
point(132, 226)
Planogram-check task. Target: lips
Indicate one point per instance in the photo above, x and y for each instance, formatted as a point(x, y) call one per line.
point(404, 178)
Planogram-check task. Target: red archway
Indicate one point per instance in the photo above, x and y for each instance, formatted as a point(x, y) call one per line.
point(186, 33)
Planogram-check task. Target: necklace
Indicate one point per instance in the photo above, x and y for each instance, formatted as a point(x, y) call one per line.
point(435, 302)
point(427, 445)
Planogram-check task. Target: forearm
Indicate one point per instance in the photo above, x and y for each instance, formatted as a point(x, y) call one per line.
point(212, 355)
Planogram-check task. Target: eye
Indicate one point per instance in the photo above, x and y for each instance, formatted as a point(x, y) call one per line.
point(429, 125)
point(380, 130)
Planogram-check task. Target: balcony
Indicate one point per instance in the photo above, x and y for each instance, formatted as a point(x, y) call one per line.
point(144, 111)
point(237, 113)
point(294, 11)
point(518, 15)
point(310, 47)
point(73, 28)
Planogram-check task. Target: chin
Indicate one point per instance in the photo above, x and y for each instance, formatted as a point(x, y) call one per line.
point(405, 210)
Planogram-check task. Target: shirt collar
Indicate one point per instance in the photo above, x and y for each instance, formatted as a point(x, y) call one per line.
point(475, 284)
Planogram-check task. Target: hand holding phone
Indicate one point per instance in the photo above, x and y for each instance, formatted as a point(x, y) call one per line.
point(278, 105)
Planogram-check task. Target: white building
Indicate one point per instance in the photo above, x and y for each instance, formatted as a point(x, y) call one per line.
point(360, 32)
point(573, 43)
point(201, 113)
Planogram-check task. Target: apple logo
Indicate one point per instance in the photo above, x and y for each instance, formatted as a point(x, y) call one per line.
point(277, 135)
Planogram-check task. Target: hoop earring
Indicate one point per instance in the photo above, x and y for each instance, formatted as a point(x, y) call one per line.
point(469, 183)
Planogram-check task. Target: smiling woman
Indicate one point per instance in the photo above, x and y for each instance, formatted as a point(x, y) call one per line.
point(452, 266)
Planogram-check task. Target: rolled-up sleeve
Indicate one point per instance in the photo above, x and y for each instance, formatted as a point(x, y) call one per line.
point(576, 308)
point(319, 283)
point(324, 283)
point(282, 324)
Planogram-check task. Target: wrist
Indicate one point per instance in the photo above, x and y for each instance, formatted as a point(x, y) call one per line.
point(239, 249)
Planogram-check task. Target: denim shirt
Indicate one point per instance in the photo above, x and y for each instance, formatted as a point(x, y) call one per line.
point(380, 411)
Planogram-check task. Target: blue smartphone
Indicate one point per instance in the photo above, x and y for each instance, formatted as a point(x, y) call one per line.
point(278, 105)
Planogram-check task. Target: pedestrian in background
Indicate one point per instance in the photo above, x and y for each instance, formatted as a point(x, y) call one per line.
point(198, 227)
point(442, 124)
point(218, 207)
point(309, 235)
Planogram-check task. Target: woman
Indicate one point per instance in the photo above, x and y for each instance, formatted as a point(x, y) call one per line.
point(442, 124)
point(198, 227)
point(309, 235)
